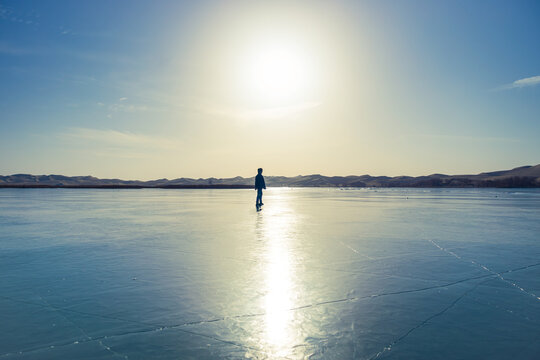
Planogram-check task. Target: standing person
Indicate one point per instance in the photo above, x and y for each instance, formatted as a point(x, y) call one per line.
point(259, 186)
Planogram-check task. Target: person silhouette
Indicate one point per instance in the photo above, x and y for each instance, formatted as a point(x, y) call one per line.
point(259, 186)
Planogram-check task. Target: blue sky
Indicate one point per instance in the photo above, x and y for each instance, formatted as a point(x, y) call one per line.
point(145, 90)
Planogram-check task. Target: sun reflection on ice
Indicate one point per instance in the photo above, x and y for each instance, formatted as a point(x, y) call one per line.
point(276, 228)
point(278, 300)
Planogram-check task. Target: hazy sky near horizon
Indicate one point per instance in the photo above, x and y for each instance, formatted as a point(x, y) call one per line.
point(146, 90)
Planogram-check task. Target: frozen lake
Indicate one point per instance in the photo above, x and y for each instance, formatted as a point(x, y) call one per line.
point(318, 274)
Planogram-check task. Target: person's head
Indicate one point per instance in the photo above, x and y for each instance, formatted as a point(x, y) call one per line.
point(259, 170)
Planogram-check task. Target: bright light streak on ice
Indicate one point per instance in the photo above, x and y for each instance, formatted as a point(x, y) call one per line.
point(279, 280)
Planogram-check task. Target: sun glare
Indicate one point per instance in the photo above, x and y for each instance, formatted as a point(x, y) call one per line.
point(277, 72)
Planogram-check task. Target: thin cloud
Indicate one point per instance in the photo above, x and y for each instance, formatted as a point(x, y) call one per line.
point(119, 139)
point(469, 138)
point(128, 108)
point(525, 82)
point(8, 49)
point(124, 106)
point(7, 14)
point(264, 113)
point(530, 81)
point(96, 56)
point(278, 112)
point(123, 155)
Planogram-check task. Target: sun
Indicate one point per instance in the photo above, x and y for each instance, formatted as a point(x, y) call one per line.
point(278, 72)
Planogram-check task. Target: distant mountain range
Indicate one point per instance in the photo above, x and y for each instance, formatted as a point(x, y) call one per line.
point(525, 176)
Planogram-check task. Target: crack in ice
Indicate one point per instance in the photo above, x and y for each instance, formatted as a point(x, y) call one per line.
point(88, 337)
point(155, 327)
point(511, 312)
point(356, 251)
point(143, 331)
point(499, 275)
point(389, 347)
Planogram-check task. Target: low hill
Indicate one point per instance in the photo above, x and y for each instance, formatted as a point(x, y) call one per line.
point(525, 176)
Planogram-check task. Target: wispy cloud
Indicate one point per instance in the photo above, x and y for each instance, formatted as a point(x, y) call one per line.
point(525, 82)
point(123, 154)
point(65, 31)
point(127, 107)
point(122, 105)
point(263, 113)
point(8, 49)
point(95, 56)
point(113, 139)
point(468, 138)
point(8, 14)
point(277, 112)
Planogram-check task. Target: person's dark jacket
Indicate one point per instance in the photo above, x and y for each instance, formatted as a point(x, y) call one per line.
point(259, 182)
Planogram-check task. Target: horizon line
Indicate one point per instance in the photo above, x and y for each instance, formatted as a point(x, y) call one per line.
point(239, 176)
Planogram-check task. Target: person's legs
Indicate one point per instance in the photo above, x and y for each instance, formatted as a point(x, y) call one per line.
point(259, 197)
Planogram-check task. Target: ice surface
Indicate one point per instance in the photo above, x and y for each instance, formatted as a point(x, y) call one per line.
point(318, 273)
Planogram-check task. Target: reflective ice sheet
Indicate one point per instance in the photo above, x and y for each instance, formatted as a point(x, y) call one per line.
point(318, 273)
